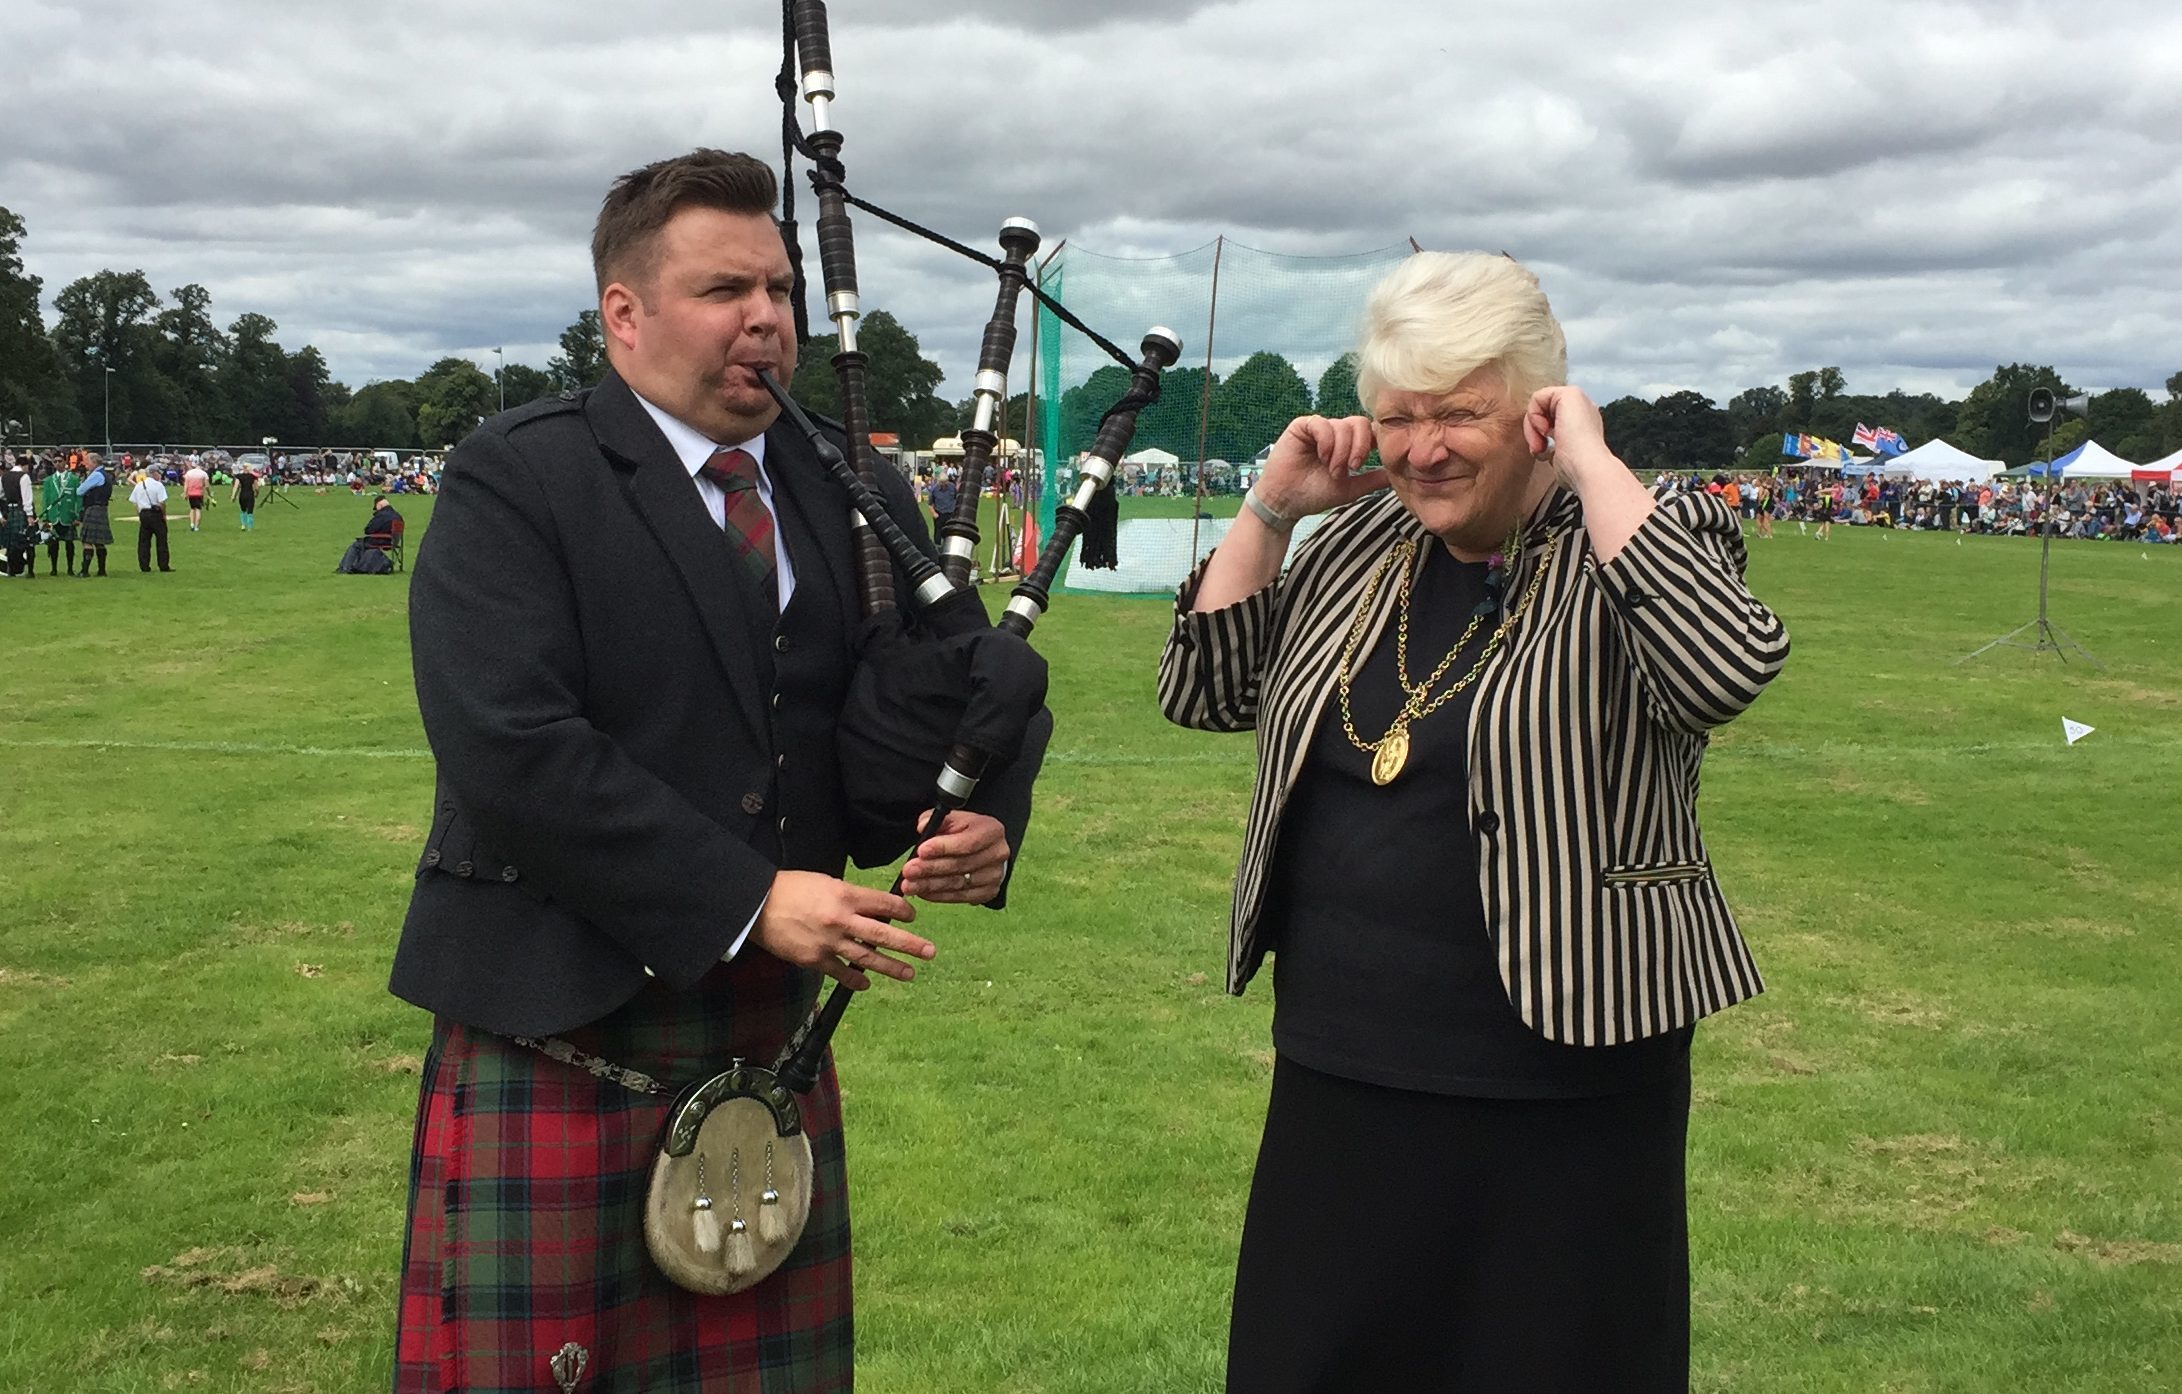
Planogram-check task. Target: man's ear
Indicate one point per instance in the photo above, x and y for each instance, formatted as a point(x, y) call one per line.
point(619, 309)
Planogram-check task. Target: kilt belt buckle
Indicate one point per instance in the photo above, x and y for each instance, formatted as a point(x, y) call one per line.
point(730, 1191)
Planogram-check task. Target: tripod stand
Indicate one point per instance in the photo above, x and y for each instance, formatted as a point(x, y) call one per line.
point(2049, 637)
point(273, 486)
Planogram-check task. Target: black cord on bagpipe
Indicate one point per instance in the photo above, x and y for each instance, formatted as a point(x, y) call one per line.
point(791, 135)
point(827, 172)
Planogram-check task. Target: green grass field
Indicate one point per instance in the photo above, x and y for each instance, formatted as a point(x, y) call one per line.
point(1944, 1152)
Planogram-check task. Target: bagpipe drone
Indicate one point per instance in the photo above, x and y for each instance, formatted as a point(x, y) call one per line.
point(942, 697)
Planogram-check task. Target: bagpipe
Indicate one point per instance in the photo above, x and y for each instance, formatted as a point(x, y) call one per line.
point(942, 697)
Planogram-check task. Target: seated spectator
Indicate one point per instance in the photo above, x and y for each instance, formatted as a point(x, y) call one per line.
point(383, 518)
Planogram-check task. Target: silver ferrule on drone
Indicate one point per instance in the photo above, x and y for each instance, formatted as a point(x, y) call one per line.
point(955, 784)
point(935, 589)
point(818, 91)
point(842, 307)
point(1097, 474)
point(958, 546)
point(1028, 608)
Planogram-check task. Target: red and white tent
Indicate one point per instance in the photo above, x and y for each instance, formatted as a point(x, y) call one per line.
point(2166, 468)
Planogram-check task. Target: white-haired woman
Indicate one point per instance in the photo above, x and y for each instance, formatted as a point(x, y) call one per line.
point(1481, 699)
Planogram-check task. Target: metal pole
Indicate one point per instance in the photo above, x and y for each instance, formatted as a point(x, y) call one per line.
point(1204, 400)
point(1042, 464)
point(109, 411)
point(498, 378)
point(1033, 475)
point(2045, 535)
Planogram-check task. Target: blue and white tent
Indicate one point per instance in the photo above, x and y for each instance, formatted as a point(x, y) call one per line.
point(2092, 460)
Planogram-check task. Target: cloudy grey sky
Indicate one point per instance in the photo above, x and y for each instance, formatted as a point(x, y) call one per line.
point(1716, 192)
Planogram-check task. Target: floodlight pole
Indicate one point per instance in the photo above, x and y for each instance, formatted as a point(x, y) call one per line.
point(2048, 636)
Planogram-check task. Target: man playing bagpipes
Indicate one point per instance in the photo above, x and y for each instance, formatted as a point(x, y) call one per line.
point(635, 623)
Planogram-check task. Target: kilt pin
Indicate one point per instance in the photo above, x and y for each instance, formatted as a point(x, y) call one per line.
point(526, 1229)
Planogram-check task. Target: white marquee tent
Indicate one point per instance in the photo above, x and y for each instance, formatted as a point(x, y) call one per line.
point(2092, 460)
point(1940, 462)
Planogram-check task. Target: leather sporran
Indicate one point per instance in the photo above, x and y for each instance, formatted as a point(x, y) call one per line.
point(731, 1190)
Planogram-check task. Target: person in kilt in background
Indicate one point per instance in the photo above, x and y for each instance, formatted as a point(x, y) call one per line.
point(18, 508)
point(62, 510)
point(97, 527)
point(632, 625)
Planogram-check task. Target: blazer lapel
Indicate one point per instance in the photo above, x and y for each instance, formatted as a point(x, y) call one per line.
point(666, 500)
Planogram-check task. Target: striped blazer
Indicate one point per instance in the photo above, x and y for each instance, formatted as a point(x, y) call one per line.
point(1586, 733)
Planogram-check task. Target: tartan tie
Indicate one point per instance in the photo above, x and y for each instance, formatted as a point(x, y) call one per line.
point(749, 523)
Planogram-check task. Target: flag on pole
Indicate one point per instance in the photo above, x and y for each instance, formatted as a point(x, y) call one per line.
point(2075, 731)
point(1890, 442)
point(1865, 436)
point(1026, 545)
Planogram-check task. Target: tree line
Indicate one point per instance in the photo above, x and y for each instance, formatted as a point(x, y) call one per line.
point(1687, 430)
point(168, 372)
point(163, 369)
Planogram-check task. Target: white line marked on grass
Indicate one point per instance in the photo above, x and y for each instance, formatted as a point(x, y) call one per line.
point(1057, 757)
point(223, 748)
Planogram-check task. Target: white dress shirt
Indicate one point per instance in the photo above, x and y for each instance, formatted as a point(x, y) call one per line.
point(693, 448)
point(148, 493)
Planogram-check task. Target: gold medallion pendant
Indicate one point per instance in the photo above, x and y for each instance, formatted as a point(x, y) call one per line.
point(1393, 753)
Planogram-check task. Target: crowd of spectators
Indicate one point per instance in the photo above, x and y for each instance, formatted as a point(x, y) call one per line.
point(2119, 510)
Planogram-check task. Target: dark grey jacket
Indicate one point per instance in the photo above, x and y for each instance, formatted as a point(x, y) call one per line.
point(629, 745)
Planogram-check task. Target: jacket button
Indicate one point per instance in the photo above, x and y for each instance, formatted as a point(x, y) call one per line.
point(784, 827)
point(509, 874)
point(1488, 822)
point(780, 643)
point(753, 804)
point(463, 868)
point(431, 858)
point(780, 761)
point(776, 701)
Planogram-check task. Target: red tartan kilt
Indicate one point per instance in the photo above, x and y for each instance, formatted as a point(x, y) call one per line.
point(526, 1227)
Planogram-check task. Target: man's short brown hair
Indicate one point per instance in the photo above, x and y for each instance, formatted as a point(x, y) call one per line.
point(625, 241)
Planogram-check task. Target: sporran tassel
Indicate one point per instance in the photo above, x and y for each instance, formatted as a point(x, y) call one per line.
point(742, 1254)
point(703, 1218)
point(742, 1251)
point(772, 1220)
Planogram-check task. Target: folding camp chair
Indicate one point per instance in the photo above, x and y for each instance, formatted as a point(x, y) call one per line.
point(391, 543)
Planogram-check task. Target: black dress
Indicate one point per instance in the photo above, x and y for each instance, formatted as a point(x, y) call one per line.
point(1444, 1199)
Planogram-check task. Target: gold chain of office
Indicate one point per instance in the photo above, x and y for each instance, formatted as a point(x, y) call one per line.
point(1390, 753)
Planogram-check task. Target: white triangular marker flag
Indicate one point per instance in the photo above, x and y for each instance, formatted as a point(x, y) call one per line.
point(2075, 730)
